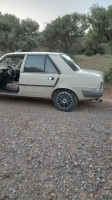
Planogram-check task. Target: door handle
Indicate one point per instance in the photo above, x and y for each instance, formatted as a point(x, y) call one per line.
point(51, 78)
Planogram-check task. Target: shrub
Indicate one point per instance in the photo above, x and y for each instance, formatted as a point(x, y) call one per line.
point(89, 52)
point(108, 76)
point(101, 49)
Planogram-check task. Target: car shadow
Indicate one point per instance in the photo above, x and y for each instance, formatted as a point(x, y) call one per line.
point(25, 100)
point(28, 101)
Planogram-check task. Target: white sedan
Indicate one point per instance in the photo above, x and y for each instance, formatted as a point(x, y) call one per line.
point(49, 75)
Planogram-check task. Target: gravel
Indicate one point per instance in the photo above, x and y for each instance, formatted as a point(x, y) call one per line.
point(46, 154)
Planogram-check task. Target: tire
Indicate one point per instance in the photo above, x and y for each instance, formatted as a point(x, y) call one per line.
point(64, 100)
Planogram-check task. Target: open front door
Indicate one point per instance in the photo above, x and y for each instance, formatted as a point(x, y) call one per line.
point(38, 77)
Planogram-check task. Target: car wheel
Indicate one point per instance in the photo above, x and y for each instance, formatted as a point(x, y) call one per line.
point(64, 100)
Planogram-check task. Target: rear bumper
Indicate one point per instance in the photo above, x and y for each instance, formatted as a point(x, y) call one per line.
point(90, 94)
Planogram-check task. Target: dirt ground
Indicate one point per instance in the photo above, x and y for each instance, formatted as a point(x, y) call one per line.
point(107, 96)
point(46, 154)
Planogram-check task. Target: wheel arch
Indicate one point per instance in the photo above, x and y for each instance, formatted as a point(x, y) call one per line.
point(65, 89)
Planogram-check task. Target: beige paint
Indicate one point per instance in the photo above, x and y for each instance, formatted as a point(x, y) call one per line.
point(42, 85)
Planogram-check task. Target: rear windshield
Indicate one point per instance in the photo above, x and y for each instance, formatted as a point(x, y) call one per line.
point(70, 62)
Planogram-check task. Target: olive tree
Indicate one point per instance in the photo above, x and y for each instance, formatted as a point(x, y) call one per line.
point(63, 32)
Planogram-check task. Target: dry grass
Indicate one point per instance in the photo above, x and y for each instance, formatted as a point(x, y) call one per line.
point(97, 62)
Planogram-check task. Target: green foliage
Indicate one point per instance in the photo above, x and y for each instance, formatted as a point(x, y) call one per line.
point(108, 76)
point(16, 34)
point(100, 30)
point(63, 32)
point(28, 39)
point(9, 32)
point(91, 45)
point(98, 20)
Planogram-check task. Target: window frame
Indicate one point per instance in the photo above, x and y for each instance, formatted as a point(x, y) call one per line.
point(44, 72)
point(22, 56)
point(26, 61)
point(56, 68)
point(69, 62)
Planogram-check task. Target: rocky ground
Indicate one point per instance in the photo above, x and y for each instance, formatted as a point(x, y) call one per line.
point(46, 154)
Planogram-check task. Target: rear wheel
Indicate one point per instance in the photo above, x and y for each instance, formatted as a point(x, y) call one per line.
point(64, 100)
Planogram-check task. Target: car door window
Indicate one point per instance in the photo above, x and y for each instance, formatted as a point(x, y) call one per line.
point(49, 66)
point(35, 63)
point(13, 61)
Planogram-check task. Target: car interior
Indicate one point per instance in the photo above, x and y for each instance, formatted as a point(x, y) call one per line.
point(10, 73)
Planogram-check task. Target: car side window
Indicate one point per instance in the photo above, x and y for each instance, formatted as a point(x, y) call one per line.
point(13, 61)
point(39, 63)
point(5, 62)
point(35, 63)
point(49, 66)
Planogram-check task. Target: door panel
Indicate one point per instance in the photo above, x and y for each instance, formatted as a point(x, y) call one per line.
point(37, 84)
point(38, 77)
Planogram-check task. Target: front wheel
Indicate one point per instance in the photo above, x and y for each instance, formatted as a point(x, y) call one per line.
point(64, 100)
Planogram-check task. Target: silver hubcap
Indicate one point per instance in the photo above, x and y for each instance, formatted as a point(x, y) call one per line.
point(64, 99)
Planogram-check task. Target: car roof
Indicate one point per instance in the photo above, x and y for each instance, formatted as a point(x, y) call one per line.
point(34, 53)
